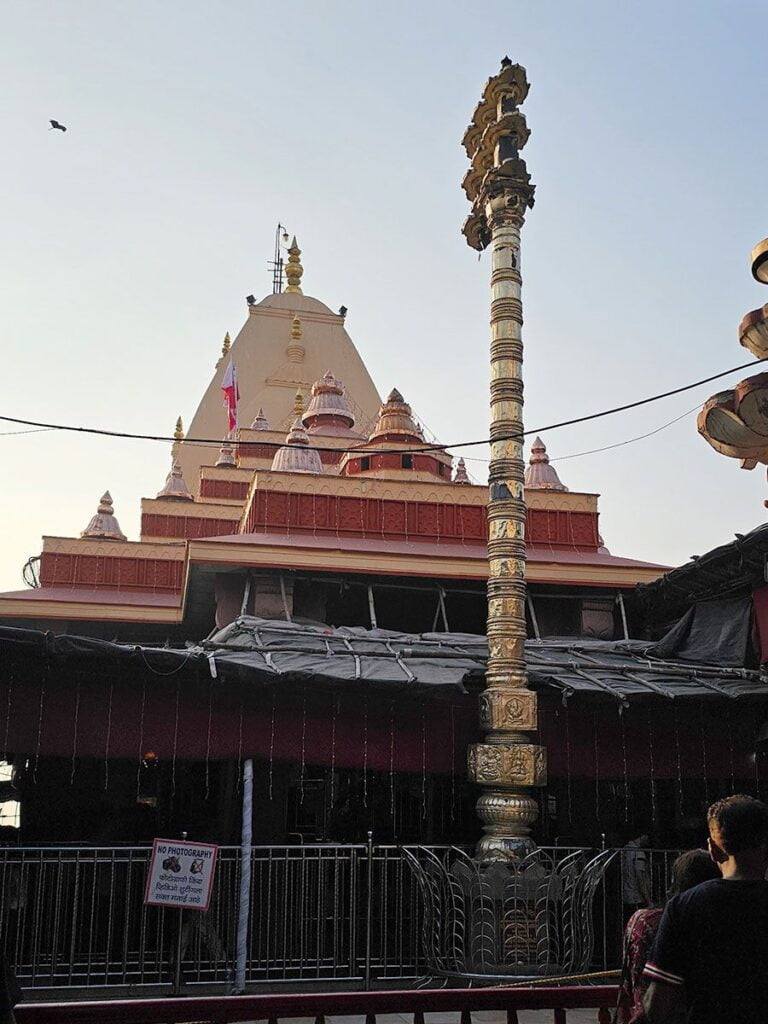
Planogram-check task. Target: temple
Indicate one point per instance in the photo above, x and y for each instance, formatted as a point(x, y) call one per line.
point(322, 482)
point(325, 522)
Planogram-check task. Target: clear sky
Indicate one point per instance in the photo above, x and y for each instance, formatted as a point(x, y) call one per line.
point(127, 244)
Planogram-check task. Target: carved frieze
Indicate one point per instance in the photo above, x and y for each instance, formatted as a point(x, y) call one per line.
point(515, 710)
point(513, 764)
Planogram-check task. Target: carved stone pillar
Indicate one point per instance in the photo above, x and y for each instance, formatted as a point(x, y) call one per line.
point(507, 764)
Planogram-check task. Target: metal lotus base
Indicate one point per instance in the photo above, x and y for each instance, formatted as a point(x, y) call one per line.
point(521, 919)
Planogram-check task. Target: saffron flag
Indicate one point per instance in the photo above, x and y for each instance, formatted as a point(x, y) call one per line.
point(231, 395)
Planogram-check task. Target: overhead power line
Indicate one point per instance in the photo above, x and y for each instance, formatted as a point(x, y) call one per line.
point(362, 450)
point(608, 447)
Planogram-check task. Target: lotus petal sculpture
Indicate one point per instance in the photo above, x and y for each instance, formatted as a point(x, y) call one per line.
point(735, 422)
point(753, 332)
point(503, 920)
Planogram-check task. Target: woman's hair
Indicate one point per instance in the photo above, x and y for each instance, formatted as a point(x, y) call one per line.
point(691, 868)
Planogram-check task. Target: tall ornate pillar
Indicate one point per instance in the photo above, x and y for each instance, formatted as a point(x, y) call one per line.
point(506, 764)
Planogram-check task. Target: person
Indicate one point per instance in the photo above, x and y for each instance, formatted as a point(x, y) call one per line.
point(10, 993)
point(710, 957)
point(635, 880)
point(689, 869)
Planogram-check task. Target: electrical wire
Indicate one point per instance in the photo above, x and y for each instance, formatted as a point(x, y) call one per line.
point(609, 447)
point(631, 440)
point(15, 433)
point(362, 450)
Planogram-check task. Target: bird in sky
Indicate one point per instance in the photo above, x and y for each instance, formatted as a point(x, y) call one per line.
point(55, 124)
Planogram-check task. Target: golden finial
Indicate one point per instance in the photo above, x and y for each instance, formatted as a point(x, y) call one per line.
point(298, 404)
point(295, 350)
point(294, 269)
point(178, 437)
point(227, 344)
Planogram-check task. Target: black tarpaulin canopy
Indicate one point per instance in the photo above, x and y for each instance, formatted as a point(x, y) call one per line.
point(262, 653)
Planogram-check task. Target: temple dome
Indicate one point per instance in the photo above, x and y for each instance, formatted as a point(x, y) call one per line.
point(395, 418)
point(175, 486)
point(329, 411)
point(294, 303)
point(539, 474)
point(226, 454)
point(300, 458)
point(104, 525)
point(260, 421)
point(461, 476)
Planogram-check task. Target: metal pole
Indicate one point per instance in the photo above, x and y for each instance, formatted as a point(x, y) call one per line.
point(179, 944)
point(368, 911)
point(244, 902)
point(246, 595)
point(441, 594)
point(534, 620)
point(372, 607)
point(283, 594)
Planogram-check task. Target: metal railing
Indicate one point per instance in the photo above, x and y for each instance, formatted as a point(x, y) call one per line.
point(74, 918)
point(364, 1005)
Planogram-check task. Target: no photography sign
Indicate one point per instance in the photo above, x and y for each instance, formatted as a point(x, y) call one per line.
point(180, 874)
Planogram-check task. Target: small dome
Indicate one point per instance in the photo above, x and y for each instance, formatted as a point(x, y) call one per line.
point(226, 455)
point(299, 458)
point(461, 473)
point(175, 486)
point(395, 418)
point(539, 474)
point(328, 401)
point(104, 526)
point(260, 421)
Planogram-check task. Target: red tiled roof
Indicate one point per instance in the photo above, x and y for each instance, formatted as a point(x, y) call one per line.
point(428, 549)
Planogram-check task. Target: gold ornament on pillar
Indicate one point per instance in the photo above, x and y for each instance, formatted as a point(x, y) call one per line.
point(507, 764)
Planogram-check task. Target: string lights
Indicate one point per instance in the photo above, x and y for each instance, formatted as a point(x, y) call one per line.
point(653, 769)
point(75, 723)
point(141, 736)
point(624, 761)
point(271, 745)
point(109, 734)
point(46, 672)
point(8, 713)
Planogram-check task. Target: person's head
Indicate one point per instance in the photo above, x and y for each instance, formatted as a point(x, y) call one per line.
point(738, 832)
point(692, 868)
point(642, 840)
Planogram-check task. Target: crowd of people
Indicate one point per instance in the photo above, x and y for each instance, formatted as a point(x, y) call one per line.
point(703, 958)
